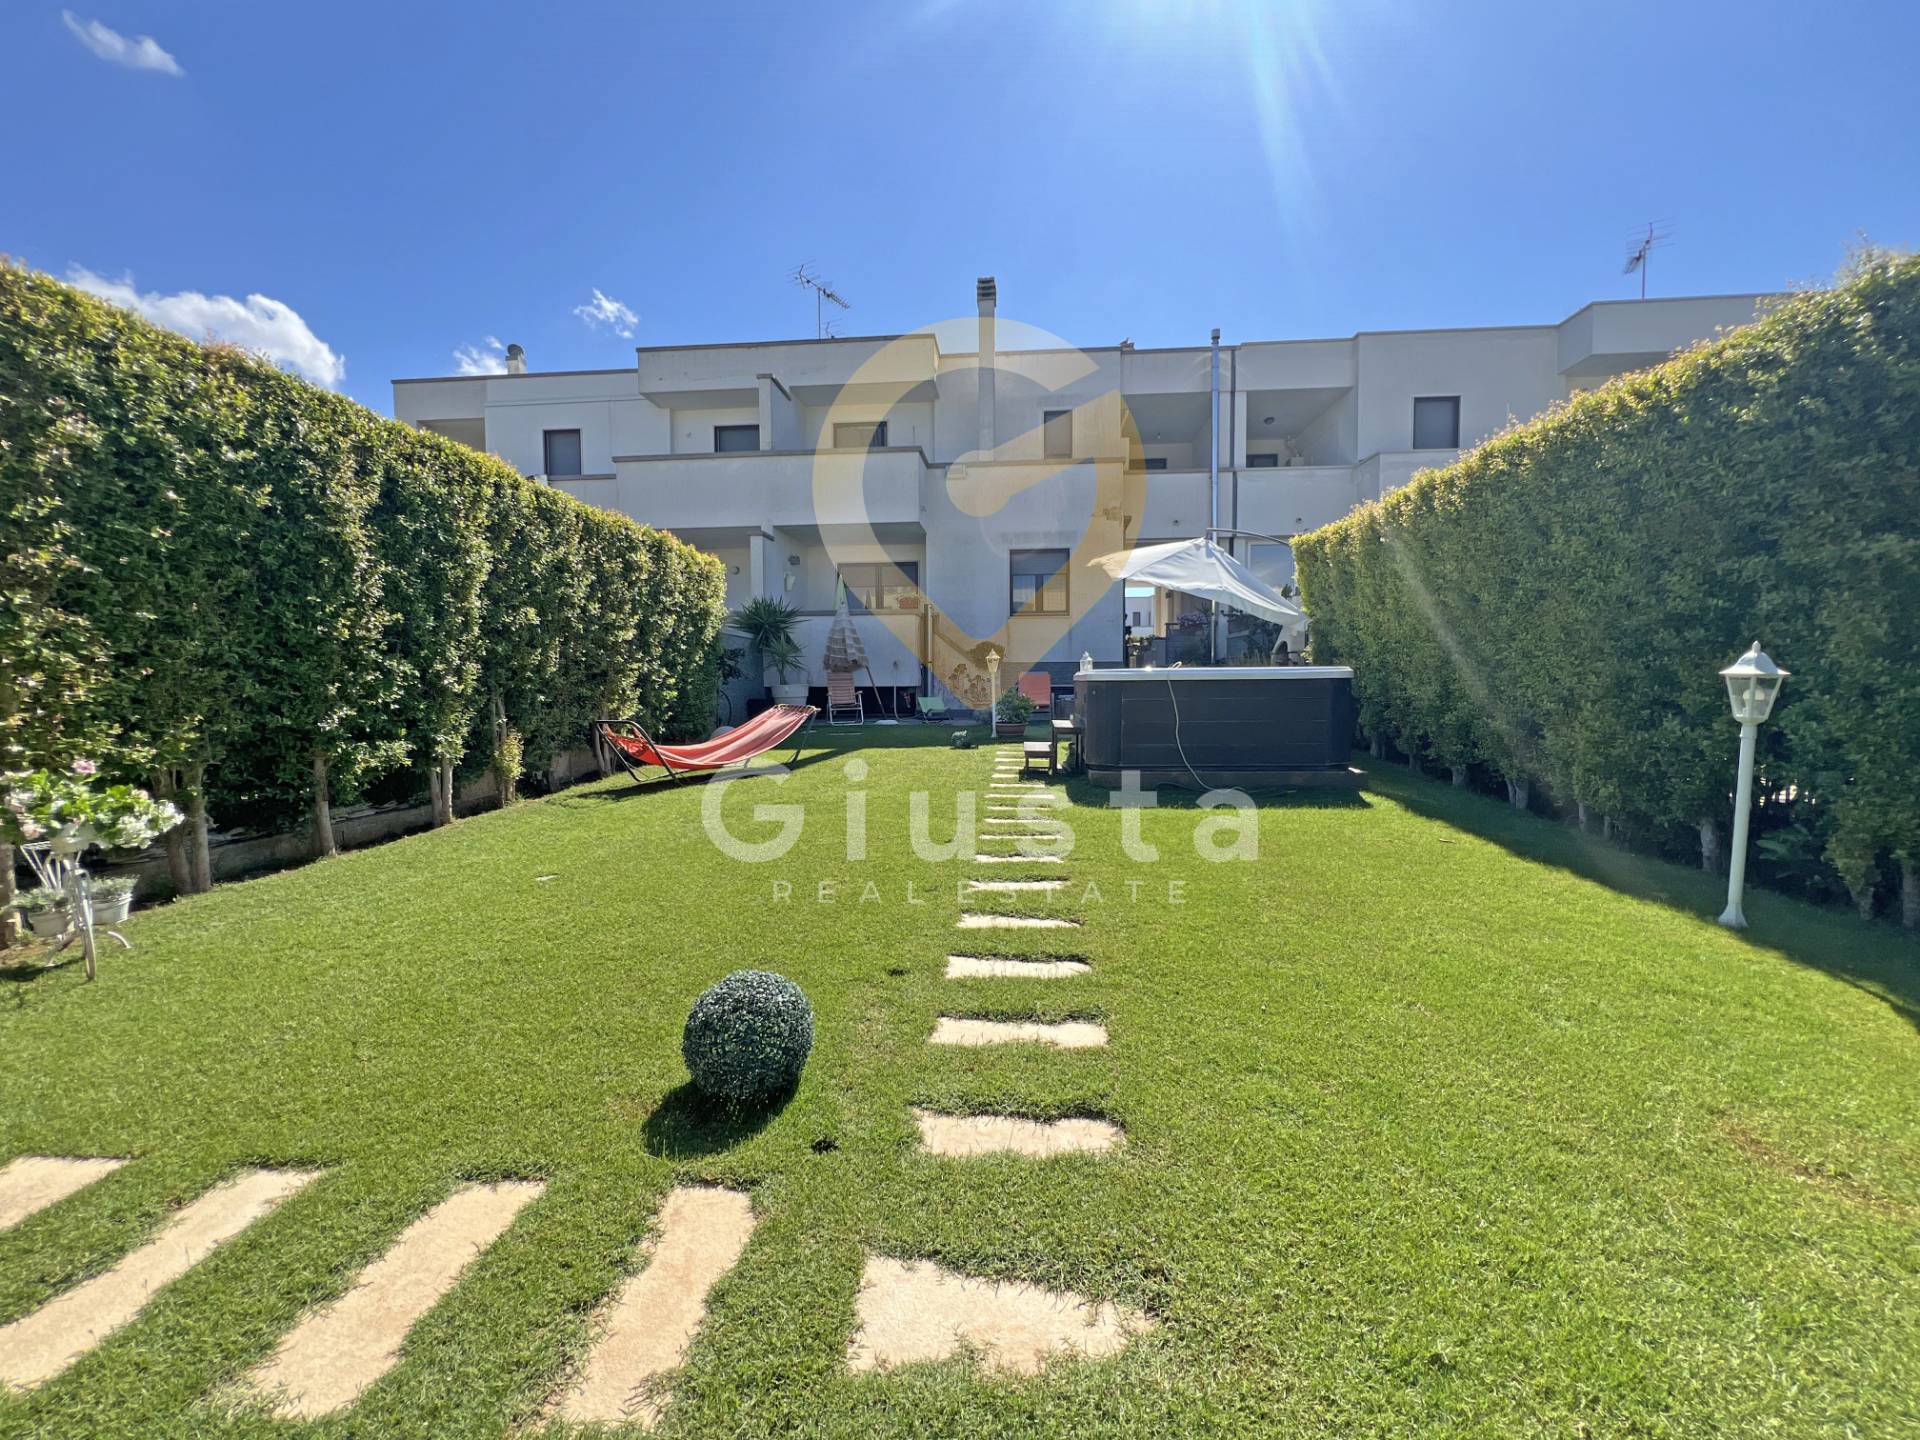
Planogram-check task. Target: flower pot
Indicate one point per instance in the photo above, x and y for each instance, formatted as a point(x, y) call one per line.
point(112, 909)
point(1010, 729)
point(47, 924)
point(789, 694)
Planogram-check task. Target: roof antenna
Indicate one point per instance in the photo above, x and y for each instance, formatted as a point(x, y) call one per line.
point(805, 277)
point(1638, 258)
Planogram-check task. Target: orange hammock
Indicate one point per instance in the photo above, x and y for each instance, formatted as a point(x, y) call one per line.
point(634, 748)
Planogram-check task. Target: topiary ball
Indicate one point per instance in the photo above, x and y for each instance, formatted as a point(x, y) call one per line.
point(748, 1038)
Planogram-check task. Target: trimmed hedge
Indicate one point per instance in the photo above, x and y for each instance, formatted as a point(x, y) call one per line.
point(748, 1038)
point(228, 583)
point(1553, 608)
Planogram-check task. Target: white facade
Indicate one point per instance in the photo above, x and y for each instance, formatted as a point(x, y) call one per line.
point(757, 453)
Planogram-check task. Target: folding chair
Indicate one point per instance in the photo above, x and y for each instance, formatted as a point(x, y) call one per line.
point(844, 703)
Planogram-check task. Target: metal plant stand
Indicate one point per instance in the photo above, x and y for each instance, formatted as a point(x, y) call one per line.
point(64, 872)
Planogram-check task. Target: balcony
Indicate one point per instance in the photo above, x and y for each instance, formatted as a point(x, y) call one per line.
point(799, 490)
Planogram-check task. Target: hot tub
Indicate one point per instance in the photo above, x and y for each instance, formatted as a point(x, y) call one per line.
point(1235, 725)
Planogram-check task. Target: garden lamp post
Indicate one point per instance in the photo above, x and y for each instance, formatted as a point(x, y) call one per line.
point(993, 686)
point(1753, 682)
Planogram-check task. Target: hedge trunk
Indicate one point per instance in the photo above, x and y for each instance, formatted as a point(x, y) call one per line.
point(9, 919)
point(1459, 777)
point(1519, 792)
point(1710, 849)
point(199, 856)
point(323, 842)
point(166, 784)
point(1910, 894)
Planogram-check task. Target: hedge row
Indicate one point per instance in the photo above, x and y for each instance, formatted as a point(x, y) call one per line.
point(1552, 609)
point(257, 594)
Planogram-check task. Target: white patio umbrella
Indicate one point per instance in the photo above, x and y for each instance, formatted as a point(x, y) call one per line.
point(1200, 567)
point(846, 652)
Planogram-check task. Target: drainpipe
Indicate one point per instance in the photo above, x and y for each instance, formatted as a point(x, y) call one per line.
point(988, 294)
point(1213, 490)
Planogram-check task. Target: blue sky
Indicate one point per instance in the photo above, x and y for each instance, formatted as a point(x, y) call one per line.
point(398, 183)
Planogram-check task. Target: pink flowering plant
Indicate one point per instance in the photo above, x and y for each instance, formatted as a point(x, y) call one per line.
point(70, 810)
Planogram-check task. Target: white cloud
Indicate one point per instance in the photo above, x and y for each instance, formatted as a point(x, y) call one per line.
point(142, 52)
point(489, 358)
point(259, 323)
point(607, 311)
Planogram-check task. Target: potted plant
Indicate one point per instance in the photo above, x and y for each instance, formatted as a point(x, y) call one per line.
point(769, 623)
point(1010, 715)
point(46, 911)
point(113, 898)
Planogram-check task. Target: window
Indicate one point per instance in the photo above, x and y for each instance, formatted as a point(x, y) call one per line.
point(859, 434)
point(1154, 462)
point(1436, 422)
point(730, 439)
point(563, 452)
point(1056, 434)
point(1038, 582)
point(1263, 460)
point(882, 585)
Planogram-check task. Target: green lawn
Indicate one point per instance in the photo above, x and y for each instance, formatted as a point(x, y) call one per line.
point(1440, 1121)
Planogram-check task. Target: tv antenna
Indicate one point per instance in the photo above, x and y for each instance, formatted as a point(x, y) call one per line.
point(823, 294)
point(1642, 252)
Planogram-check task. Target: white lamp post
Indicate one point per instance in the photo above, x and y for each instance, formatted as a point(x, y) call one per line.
point(1753, 682)
point(993, 686)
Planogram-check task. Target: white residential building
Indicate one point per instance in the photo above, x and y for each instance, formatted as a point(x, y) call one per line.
point(959, 509)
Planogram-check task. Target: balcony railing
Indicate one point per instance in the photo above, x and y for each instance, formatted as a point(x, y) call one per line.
point(789, 488)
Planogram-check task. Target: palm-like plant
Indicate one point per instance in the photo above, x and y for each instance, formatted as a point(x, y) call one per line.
point(768, 623)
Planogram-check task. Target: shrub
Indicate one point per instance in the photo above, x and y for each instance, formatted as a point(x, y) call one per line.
point(1014, 708)
point(748, 1037)
point(1554, 605)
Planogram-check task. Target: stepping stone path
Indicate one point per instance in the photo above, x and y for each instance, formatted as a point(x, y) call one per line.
point(342, 1347)
point(908, 1312)
point(1064, 1034)
point(651, 1323)
point(1015, 922)
point(968, 1135)
point(999, 967)
point(912, 1312)
point(33, 1182)
point(38, 1346)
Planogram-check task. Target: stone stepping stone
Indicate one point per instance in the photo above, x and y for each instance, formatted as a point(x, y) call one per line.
point(1004, 967)
point(910, 1313)
point(1015, 922)
point(1018, 860)
point(1049, 800)
point(1029, 821)
point(30, 1183)
point(651, 1322)
point(1062, 1035)
point(340, 1348)
point(1014, 887)
point(965, 1136)
point(38, 1346)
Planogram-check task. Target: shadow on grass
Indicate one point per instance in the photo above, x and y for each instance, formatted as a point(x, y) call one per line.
point(1877, 958)
point(1082, 791)
point(685, 1125)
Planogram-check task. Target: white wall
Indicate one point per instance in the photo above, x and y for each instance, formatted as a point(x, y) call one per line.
point(1499, 375)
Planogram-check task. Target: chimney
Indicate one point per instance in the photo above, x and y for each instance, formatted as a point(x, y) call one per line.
point(988, 294)
point(516, 360)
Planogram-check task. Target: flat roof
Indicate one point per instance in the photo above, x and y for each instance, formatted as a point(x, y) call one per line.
point(928, 335)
